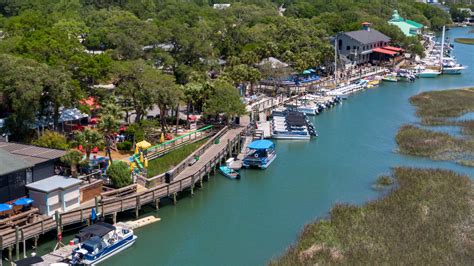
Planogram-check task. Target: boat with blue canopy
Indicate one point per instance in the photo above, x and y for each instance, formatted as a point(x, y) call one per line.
point(261, 154)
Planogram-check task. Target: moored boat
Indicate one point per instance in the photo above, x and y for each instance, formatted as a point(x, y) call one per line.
point(261, 154)
point(429, 73)
point(227, 171)
point(100, 241)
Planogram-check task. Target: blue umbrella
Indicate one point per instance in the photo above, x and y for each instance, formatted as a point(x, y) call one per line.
point(93, 215)
point(5, 207)
point(23, 201)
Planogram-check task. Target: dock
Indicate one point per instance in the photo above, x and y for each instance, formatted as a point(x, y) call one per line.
point(142, 222)
point(60, 255)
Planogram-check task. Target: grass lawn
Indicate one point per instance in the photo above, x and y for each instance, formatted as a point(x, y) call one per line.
point(427, 218)
point(465, 40)
point(170, 160)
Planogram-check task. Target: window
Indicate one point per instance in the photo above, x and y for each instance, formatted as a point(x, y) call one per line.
point(354, 47)
point(348, 48)
point(340, 44)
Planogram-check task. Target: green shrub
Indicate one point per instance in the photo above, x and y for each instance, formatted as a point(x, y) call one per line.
point(53, 140)
point(120, 174)
point(124, 146)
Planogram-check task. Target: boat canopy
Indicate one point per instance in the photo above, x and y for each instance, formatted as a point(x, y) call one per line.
point(98, 229)
point(261, 145)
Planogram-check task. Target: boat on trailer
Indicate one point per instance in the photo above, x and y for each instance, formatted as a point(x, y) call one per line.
point(101, 241)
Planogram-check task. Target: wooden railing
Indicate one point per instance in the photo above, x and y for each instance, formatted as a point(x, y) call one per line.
point(159, 179)
point(165, 147)
point(108, 206)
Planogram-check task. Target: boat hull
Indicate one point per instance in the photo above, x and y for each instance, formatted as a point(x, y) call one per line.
point(291, 137)
point(109, 254)
point(452, 71)
point(428, 75)
point(224, 172)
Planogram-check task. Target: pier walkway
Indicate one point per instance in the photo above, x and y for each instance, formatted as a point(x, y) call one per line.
point(215, 153)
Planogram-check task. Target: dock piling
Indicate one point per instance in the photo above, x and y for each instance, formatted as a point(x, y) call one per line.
point(10, 254)
point(157, 203)
point(174, 199)
point(114, 217)
point(17, 242)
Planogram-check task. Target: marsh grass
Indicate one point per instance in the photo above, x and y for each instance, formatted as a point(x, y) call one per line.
point(426, 219)
point(417, 141)
point(440, 108)
point(435, 106)
point(170, 160)
point(465, 40)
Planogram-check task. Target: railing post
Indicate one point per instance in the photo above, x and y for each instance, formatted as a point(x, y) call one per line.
point(137, 207)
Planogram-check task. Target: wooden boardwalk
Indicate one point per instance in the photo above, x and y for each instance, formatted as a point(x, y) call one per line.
point(187, 179)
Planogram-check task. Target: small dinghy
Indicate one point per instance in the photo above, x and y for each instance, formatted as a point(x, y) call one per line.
point(227, 170)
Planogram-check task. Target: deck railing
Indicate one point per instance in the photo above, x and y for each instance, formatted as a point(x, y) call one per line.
point(167, 146)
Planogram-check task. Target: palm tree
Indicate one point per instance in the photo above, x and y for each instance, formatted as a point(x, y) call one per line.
point(89, 138)
point(73, 158)
point(108, 125)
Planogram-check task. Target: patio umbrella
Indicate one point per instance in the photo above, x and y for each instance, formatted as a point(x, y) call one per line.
point(306, 72)
point(162, 138)
point(23, 201)
point(144, 144)
point(5, 207)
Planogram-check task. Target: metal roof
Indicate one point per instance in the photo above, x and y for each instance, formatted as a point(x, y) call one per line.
point(367, 36)
point(30, 153)
point(54, 183)
point(10, 163)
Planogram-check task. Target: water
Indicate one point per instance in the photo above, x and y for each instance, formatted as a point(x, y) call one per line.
point(250, 221)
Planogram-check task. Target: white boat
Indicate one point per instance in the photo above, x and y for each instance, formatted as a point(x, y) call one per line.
point(101, 241)
point(429, 73)
point(453, 70)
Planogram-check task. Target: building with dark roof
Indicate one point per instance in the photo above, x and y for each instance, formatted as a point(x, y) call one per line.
point(13, 176)
point(358, 45)
point(21, 164)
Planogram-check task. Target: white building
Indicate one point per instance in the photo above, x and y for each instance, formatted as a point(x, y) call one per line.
point(56, 193)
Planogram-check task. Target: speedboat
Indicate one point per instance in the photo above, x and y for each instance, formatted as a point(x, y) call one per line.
point(390, 78)
point(429, 73)
point(101, 241)
point(453, 70)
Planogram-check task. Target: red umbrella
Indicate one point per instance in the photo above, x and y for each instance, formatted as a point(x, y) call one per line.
point(95, 150)
point(192, 118)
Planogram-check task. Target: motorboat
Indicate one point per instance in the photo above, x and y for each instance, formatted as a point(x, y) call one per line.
point(101, 241)
point(390, 78)
point(228, 171)
point(429, 73)
point(453, 70)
